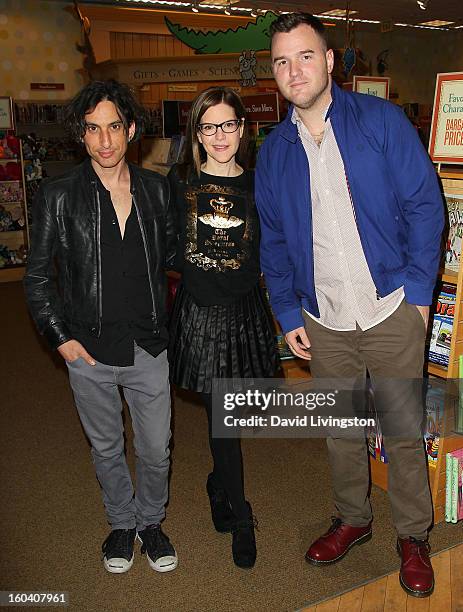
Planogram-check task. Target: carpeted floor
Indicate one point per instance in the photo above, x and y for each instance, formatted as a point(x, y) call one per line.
point(53, 524)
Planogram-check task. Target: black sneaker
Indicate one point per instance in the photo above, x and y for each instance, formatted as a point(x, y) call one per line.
point(244, 541)
point(118, 550)
point(221, 512)
point(160, 552)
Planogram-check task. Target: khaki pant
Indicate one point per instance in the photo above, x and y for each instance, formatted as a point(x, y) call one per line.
point(393, 354)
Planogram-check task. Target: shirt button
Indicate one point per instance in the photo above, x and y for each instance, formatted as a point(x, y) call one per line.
point(327, 191)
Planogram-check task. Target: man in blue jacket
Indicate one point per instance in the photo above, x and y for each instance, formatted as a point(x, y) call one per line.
point(351, 218)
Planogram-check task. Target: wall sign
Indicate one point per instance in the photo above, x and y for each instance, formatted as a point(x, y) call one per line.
point(47, 86)
point(262, 107)
point(371, 85)
point(181, 69)
point(6, 114)
point(446, 141)
point(183, 87)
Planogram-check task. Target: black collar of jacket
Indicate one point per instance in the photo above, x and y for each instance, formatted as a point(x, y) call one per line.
point(93, 177)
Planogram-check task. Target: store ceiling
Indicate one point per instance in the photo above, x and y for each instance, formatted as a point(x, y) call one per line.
point(397, 11)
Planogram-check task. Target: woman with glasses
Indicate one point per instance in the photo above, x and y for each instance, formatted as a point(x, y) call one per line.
point(220, 326)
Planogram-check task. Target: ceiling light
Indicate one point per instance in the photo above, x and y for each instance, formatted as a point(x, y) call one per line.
point(227, 10)
point(355, 20)
point(338, 13)
point(423, 4)
point(436, 22)
point(421, 27)
point(254, 12)
point(194, 7)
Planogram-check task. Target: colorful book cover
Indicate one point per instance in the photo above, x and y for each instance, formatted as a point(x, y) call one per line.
point(454, 503)
point(457, 485)
point(380, 450)
point(374, 434)
point(435, 398)
point(460, 489)
point(459, 409)
point(455, 216)
point(371, 429)
point(283, 349)
point(448, 487)
point(441, 335)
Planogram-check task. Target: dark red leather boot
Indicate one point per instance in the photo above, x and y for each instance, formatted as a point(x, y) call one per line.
point(416, 573)
point(336, 542)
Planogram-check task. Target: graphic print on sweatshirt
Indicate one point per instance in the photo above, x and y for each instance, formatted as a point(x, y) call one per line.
point(218, 229)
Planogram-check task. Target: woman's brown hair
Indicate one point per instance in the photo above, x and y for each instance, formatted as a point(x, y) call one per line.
point(193, 153)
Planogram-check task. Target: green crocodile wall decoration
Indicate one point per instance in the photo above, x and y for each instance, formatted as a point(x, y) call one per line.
point(253, 36)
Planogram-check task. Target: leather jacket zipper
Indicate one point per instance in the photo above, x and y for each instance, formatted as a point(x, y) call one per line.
point(145, 245)
point(98, 250)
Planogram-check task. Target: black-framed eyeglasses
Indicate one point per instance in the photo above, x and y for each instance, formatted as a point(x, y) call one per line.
point(230, 126)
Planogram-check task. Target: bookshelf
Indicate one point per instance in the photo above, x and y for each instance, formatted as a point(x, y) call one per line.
point(13, 227)
point(452, 183)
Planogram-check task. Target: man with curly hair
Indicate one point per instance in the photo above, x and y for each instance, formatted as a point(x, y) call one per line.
point(102, 236)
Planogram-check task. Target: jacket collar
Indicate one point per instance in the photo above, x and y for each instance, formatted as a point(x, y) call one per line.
point(94, 178)
point(289, 129)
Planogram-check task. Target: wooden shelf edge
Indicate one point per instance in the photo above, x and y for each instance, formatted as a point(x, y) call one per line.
point(437, 370)
point(451, 174)
point(448, 275)
point(12, 274)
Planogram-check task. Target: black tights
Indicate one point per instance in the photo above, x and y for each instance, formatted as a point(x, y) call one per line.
point(228, 465)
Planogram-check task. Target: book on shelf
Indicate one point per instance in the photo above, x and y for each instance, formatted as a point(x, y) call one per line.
point(283, 349)
point(448, 487)
point(442, 325)
point(459, 501)
point(454, 205)
point(435, 401)
point(374, 434)
point(454, 486)
point(459, 408)
point(176, 144)
point(434, 413)
point(40, 112)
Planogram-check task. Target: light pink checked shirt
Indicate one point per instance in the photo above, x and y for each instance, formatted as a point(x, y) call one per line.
point(345, 290)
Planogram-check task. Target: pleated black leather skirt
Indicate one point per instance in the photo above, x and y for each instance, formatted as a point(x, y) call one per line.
point(221, 341)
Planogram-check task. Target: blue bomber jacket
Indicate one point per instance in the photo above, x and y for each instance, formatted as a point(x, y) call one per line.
point(395, 194)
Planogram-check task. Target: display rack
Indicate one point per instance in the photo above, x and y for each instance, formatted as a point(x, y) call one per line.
point(452, 183)
point(14, 237)
point(44, 122)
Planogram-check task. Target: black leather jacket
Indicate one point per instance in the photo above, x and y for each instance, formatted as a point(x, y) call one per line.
point(63, 275)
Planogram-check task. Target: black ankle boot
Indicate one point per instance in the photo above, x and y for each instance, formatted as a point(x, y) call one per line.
point(222, 514)
point(244, 541)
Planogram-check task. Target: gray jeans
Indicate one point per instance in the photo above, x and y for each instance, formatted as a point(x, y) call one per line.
point(146, 389)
